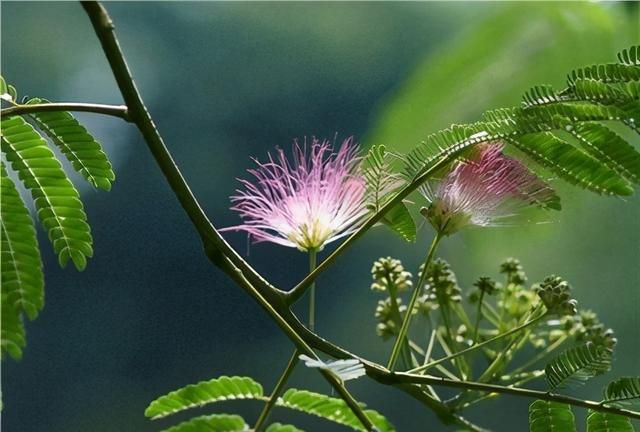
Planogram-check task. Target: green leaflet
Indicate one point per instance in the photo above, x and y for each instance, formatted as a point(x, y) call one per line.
point(21, 267)
point(605, 422)
point(630, 56)
point(380, 178)
point(623, 391)
point(578, 364)
point(22, 278)
point(80, 148)
point(278, 427)
point(212, 423)
point(610, 73)
point(609, 148)
point(571, 164)
point(12, 335)
point(382, 182)
point(400, 221)
point(547, 416)
point(330, 408)
point(56, 200)
point(203, 393)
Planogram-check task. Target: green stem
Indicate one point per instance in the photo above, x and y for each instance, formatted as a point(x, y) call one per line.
point(397, 318)
point(312, 291)
point(499, 362)
point(119, 111)
point(477, 346)
point(277, 391)
point(541, 355)
point(478, 317)
point(293, 361)
point(414, 296)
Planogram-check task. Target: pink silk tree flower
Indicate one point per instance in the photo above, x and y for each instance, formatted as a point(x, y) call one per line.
point(314, 199)
point(487, 189)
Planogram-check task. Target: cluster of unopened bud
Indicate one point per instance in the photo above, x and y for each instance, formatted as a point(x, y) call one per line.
point(586, 327)
point(387, 271)
point(485, 285)
point(441, 283)
point(555, 294)
point(387, 326)
point(512, 269)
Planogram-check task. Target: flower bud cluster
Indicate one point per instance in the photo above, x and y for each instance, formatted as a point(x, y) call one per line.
point(441, 284)
point(555, 294)
point(512, 268)
point(387, 325)
point(390, 270)
point(586, 327)
point(485, 285)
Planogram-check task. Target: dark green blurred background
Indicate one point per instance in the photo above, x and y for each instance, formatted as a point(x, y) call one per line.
point(226, 81)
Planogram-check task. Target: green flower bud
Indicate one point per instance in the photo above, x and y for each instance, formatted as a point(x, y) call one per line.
point(555, 294)
point(512, 268)
point(390, 270)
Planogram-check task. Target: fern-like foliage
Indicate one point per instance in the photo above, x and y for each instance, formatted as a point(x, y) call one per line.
point(80, 148)
point(330, 408)
point(382, 182)
point(606, 422)
point(212, 423)
point(623, 391)
point(577, 365)
point(545, 416)
point(236, 387)
point(592, 156)
point(56, 201)
point(21, 266)
point(203, 393)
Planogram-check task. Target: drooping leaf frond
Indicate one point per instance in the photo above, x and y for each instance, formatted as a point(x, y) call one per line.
point(56, 199)
point(577, 365)
point(545, 416)
point(212, 423)
point(623, 391)
point(606, 422)
point(571, 164)
point(333, 409)
point(609, 148)
point(449, 143)
point(597, 159)
point(21, 267)
point(80, 148)
point(203, 393)
point(278, 427)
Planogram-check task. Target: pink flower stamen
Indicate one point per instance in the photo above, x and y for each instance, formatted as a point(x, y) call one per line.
point(306, 203)
point(485, 190)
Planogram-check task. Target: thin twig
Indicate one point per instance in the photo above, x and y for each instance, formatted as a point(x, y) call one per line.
point(119, 111)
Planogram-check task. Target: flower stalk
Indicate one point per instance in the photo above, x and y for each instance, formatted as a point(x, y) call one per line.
point(472, 348)
point(417, 289)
